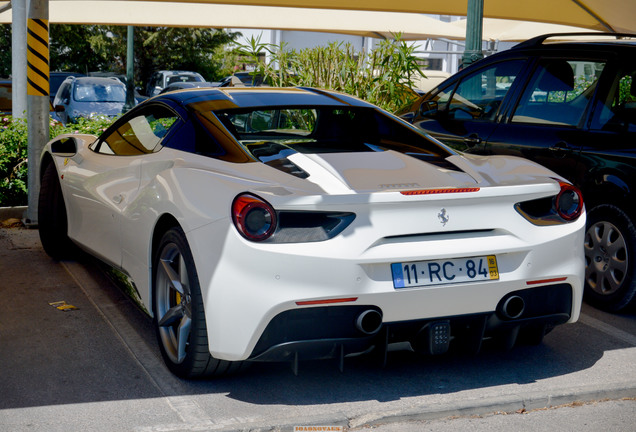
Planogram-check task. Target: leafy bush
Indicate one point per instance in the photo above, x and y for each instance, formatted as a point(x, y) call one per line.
point(13, 153)
point(383, 77)
point(13, 162)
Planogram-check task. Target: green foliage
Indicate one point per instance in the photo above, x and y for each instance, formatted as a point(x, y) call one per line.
point(5, 50)
point(625, 86)
point(13, 153)
point(174, 48)
point(383, 77)
point(13, 158)
point(86, 48)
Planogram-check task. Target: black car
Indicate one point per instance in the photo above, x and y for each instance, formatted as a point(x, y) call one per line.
point(570, 106)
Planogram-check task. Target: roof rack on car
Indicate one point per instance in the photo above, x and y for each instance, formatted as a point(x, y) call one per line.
point(538, 40)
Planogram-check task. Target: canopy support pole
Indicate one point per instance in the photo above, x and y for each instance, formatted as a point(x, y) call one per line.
point(18, 58)
point(130, 69)
point(474, 23)
point(38, 101)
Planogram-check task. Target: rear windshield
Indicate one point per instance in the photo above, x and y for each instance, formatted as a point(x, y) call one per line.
point(274, 132)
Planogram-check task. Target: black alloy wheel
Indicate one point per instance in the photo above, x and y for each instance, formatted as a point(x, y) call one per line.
point(179, 314)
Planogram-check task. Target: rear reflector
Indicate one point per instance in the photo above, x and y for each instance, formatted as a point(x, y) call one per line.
point(326, 301)
point(560, 279)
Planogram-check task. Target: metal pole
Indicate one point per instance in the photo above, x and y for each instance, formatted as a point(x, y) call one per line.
point(18, 59)
point(37, 98)
point(130, 69)
point(474, 19)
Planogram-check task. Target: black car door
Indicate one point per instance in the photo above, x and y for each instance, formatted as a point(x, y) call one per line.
point(548, 124)
point(465, 112)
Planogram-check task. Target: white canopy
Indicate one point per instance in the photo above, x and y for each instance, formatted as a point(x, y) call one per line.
point(412, 26)
point(176, 14)
point(516, 31)
point(605, 15)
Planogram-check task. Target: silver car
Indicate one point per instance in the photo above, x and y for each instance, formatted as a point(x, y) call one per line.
point(89, 97)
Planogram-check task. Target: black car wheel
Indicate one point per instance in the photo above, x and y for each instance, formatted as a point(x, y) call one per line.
point(52, 220)
point(610, 258)
point(179, 314)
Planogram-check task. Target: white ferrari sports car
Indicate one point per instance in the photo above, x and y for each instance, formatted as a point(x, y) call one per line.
point(263, 224)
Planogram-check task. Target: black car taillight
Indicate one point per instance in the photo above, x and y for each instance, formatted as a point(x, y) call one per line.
point(564, 207)
point(253, 217)
point(256, 220)
point(569, 202)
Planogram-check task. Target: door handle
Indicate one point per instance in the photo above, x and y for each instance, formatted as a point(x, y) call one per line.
point(472, 140)
point(560, 149)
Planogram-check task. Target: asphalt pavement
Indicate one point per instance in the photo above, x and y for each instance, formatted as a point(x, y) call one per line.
point(76, 355)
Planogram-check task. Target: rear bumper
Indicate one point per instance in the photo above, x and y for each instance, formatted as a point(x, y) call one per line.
point(337, 331)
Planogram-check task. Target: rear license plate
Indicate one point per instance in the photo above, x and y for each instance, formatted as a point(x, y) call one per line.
point(439, 272)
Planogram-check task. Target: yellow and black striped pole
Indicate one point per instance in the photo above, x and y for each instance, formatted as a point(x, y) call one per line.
point(38, 101)
point(37, 57)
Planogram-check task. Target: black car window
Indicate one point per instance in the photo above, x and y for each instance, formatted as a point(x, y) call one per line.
point(617, 111)
point(479, 95)
point(140, 134)
point(558, 92)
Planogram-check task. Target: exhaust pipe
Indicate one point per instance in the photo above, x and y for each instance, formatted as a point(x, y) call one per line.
point(513, 307)
point(369, 322)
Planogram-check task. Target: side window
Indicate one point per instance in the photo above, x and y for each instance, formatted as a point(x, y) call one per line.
point(558, 92)
point(618, 110)
point(140, 134)
point(479, 95)
point(63, 93)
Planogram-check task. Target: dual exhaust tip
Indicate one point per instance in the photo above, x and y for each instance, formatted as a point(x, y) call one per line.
point(369, 322)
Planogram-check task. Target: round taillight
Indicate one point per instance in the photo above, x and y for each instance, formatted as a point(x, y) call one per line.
point(569, 202)
point(253, 217)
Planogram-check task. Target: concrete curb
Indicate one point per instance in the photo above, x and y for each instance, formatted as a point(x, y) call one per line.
point(16, 212)
point(507, 404)
point(503, 404)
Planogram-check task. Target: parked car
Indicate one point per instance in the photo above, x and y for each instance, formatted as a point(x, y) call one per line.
point(263, 224)
point(570, 106)
point(188, 85)
point(161, 79)
point(124, 79)
point(248, 79)
point(89, 97)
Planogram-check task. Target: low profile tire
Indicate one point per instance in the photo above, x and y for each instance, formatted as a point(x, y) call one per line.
point(610, 259)
point(52, 220)
point(179, 314)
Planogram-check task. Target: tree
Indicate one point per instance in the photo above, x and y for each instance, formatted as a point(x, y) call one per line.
point(173, 48)
point(5, 50)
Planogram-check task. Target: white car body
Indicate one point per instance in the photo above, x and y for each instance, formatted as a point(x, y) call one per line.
point(114, 205)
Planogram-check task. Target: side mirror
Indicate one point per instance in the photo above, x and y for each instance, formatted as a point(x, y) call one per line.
point(428, 108)
point(59, 108)
point(66, 147)
point(409, 116)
